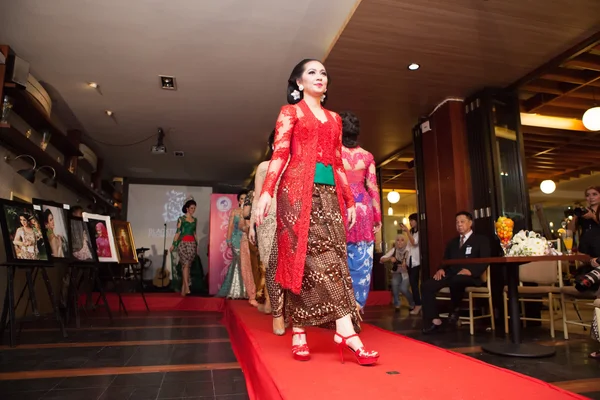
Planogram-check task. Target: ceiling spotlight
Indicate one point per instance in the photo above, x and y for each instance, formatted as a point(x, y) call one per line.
point(109, 113)
point(168, 82)
point(390, 211)
point(93, 85)
point(413, 66)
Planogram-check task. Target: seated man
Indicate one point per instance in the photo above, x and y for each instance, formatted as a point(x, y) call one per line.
point(456, 277)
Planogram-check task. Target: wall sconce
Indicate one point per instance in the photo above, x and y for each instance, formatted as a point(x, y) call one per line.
point(49, 181)
point(27, 173)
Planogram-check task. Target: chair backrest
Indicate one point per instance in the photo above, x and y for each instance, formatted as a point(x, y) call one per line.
point(540, 272)
point(485, 278)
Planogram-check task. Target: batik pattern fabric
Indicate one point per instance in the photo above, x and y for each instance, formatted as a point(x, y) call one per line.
point(360, 264)
point(233, 283)
point(326, 293)
point(265, 233)
point(362, 178)
point(304, 140)
point(595, 330)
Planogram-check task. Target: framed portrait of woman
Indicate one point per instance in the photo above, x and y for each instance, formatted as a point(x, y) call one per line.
point(83, 248)
point(101, 231)
point(125, 242)
point(54, 220)
point(24, 239)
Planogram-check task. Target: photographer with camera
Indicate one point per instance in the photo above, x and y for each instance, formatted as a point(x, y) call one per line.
point(398, 256)
point(585, 220)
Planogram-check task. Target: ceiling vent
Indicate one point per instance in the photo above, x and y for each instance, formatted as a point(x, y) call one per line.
point(168, 82)
point(178, 153)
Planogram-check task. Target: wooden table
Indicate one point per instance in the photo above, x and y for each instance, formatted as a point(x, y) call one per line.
point(516, 348)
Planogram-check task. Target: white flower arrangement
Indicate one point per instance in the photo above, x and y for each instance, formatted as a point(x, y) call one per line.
point(527, 243)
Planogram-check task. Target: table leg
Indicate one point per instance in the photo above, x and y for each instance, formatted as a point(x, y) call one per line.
point(515, 348)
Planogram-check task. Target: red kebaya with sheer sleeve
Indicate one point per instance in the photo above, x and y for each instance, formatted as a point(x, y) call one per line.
point(306, 141)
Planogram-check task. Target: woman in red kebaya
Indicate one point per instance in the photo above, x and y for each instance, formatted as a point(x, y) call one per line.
point(313, 199)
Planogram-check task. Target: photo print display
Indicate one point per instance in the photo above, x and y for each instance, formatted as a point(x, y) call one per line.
point(54, 220)
point(83, 247)
point(101, 232)
point(125, 242)
point(24, 238)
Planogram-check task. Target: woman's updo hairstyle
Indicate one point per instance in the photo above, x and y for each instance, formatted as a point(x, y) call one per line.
point(187, 205)
point(350, 129)
point(297, 74)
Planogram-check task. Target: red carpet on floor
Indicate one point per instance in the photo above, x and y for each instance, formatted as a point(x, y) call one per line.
point(174, 301)
point(161, 302)
point(408, 369)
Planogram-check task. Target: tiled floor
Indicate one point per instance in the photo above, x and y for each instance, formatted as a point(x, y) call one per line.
point(187, 355)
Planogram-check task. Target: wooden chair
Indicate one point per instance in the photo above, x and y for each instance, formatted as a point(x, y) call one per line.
point(474, 292)
point(547, 275)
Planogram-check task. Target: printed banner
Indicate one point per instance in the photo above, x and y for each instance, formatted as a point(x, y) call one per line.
point(219, 254)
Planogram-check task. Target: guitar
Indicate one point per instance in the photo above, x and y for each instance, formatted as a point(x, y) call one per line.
point(162, 276)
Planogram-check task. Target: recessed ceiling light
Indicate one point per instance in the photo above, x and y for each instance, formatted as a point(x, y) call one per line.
point(168, 82)
point(93, 85)
point(414, 66)
point(109, 113)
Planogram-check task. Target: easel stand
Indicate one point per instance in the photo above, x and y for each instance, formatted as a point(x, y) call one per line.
point(88, 272)
point(9, 308)
point(137, 276)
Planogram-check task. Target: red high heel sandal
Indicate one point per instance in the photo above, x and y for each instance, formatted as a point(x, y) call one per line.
point(300, 348)
point(363, 357)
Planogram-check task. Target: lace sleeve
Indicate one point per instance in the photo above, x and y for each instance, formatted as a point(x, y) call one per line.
point(339, 168)
point(283, 133)
point(371, 184)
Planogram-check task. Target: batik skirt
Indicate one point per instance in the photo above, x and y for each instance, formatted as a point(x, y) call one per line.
point(326, 294)
point(360, 264)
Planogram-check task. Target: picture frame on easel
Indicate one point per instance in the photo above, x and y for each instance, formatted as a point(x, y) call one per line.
point(101, 231)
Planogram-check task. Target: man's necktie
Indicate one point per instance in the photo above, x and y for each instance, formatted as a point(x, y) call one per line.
point(462, 241)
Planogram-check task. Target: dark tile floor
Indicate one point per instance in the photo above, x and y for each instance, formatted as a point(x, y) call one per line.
point(119, 361)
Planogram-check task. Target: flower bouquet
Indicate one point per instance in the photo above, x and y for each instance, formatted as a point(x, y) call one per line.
point(527, 243)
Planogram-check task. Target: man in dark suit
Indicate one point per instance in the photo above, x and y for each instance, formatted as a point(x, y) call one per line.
point(457, 277)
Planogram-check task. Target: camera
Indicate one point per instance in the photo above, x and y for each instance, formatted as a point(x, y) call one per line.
point(589, 280)
point(580, 211)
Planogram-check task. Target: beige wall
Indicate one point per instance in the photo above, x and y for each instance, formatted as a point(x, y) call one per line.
point(10, 181)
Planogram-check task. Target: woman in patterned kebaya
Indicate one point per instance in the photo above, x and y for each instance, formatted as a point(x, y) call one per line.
point(313, 199)
point(362, 177)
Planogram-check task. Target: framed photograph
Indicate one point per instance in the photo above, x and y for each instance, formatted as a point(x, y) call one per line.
point(125, 242)
point(54, 219)
point(24, 239)
point(101, 232)
point(83, 248)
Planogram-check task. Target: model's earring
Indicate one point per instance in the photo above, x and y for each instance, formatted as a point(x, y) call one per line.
point(300, 87)
point(323, 97)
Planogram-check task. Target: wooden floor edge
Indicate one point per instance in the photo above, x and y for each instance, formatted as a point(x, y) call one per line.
point(114, 344)
point(477, 349)
point(64, 373)
point(579, 385)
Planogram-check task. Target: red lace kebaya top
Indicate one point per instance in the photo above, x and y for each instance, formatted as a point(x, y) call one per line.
point(305, 140)
point(362, 176)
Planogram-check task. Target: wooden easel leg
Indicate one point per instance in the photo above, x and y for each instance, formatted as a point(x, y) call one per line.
point(11, 305)
point(141, 285)
point(74, 294)
point(53, 301)
point(4, 311)
point(117, 290)
point(32, 298)
point(103, 296)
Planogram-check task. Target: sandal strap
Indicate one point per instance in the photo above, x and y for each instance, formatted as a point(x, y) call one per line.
point(344, 339)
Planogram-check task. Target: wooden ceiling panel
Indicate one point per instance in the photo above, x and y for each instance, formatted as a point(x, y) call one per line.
point(462, 46)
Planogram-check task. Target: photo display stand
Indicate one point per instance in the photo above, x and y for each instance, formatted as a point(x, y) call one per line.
point(26, 247)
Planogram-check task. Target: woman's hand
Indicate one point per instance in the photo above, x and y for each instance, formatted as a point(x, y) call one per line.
point(252, 235)
point(351, 216)
point(589, 214)
point(171, 249)
point(262, 208)
point(377, 227)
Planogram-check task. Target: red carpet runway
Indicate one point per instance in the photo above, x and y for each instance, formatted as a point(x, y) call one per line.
point(408, 369)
